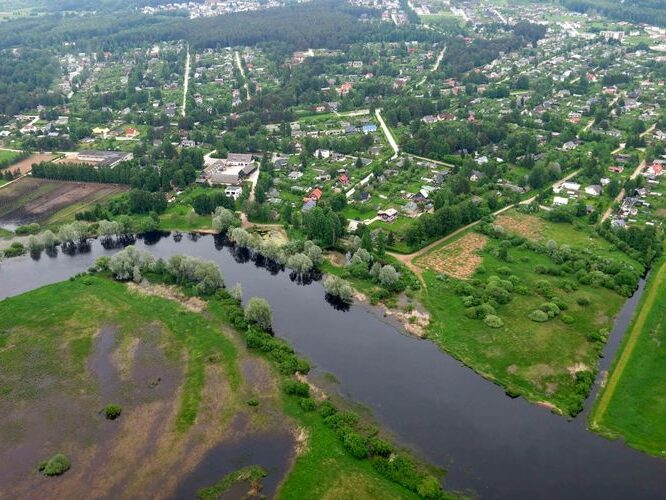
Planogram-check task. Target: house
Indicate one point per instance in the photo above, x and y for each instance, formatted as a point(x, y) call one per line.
point(281, 163)
point(322, 154)
point(364, 196)
point(233, 192)
point(345, 88)
point(131, 132)
point(295, 175)
point(476, 176)
point(411, 209)
point(369, 128)
point(344, 180)
point(388, 215)
point(239, 159)
point(559, 201)
point(572, 187)
point(104, 158)
point(308, 205)
point(655, 170)
point(616, 169)
point(314, 195)
point(593, 190)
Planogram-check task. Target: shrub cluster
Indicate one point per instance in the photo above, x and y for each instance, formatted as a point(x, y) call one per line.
point(587, 267)
point(55, 466)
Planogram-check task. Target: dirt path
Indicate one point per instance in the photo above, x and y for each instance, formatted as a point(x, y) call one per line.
point(187, 82)
point(408, 259)
point(634, 334)
point(622, 193)
point(242, 72)
point(387, 133)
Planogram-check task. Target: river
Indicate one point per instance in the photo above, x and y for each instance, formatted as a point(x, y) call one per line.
point(494, 445)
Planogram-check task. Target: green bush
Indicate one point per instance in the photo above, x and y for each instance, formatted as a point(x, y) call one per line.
point(253, 402)
point(493, 321)
point(550, 308)
point(583, 301)
point(539, 316)
point(296, 388)
point(14, 250)
point(112, 412)
point(567, 319)
point(379, 447)
point(307, 404)
point(55, 466)
point(355, 444)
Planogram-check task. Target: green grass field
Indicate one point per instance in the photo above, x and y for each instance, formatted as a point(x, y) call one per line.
point(633, 403)
point(537, 360)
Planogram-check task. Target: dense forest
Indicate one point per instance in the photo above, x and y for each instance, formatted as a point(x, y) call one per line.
point(302, 26)
point(25, 77)
point(638, 11)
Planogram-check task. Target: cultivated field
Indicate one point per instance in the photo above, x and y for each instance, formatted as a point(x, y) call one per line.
point(458, 259)
point(525, 225)
point(39, 200)
point(25, 166)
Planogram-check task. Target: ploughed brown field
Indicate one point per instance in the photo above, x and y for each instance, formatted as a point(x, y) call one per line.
point(40, 200)
point(25, 166)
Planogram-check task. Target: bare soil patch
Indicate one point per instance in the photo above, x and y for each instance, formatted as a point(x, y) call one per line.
point(521, 224)
point(36, 200)
point(458, 259)
point(193, 304)
point(25, 166)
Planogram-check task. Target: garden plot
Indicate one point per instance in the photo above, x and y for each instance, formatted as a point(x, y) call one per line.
point(459, 259)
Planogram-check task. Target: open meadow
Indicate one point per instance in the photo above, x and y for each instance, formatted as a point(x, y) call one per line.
point(532, 316)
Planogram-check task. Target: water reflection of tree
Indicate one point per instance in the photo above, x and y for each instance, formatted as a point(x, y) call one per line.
point(337, 303)
point(153, 237)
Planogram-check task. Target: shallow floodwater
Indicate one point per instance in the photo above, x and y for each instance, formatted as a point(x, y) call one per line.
point(492, 444)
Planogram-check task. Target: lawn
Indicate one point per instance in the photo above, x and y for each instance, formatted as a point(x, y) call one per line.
point(182, 217)
point(633, 403)
point(7, 156)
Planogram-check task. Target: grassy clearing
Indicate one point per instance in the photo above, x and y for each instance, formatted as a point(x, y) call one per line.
point(575, 235)
point(7, 156)
point(633, 402)
point(551, 361)
point(183, 218)
point(338, 475)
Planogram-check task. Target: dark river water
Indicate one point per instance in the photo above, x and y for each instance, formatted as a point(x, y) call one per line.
point(492, 444)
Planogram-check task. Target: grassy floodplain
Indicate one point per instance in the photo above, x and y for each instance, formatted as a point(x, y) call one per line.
point(633, 402)
point(172, 359)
